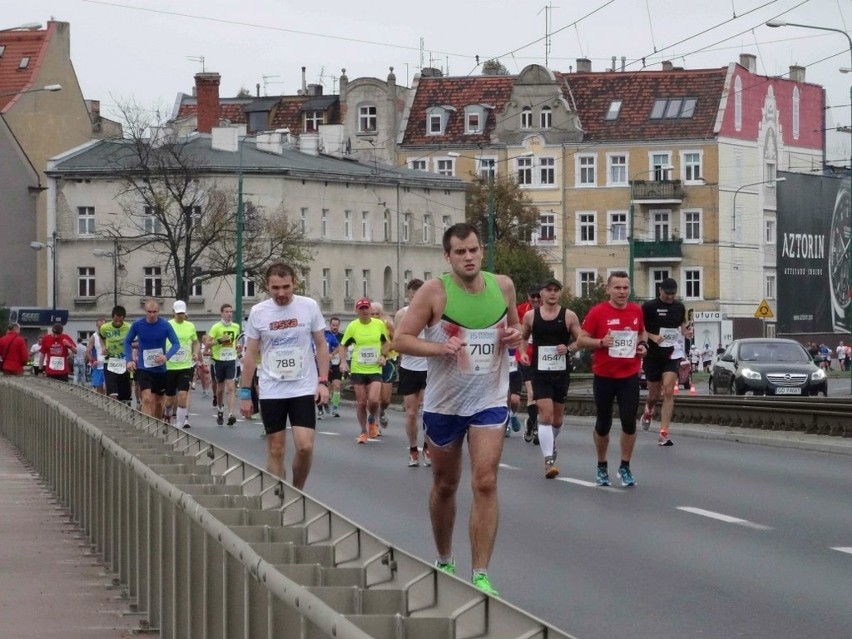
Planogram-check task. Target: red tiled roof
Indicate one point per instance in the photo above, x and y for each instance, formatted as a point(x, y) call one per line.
point(592, 93)
point(18, 45)
point(458, 93)
point(285, 114)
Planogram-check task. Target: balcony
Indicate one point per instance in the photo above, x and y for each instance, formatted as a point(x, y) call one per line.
point(653, 191)
point(658, 250)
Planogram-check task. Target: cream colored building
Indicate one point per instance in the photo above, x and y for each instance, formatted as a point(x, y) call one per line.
point(373, 227)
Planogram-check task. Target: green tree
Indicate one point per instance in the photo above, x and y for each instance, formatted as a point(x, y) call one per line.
point(515, 216)
point(523, 264)
point(581, 306)
point(174, 209)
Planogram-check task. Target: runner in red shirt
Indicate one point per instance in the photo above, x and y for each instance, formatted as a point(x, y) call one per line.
point(13, 351)
point(615, 331)
point(56, 347)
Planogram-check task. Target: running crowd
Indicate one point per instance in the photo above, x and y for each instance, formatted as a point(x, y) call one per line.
point(462, 350)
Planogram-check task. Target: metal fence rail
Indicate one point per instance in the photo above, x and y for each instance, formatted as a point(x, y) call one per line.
point(209, 546)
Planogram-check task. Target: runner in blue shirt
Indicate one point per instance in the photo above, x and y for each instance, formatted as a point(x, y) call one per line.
point(152, 333)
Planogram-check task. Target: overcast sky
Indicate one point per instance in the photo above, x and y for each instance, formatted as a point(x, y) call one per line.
point(149, 50)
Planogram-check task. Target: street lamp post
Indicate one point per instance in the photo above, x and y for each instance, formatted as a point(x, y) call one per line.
point(737, 192)
point(50, 245)
point(784, 23)
point(631, 241)
point(114, 254)
point(238, 298)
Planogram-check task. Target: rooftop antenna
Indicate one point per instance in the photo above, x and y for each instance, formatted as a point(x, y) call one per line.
point(266, 82)
point(333, 79)
point(548, 18)
point(199, 58)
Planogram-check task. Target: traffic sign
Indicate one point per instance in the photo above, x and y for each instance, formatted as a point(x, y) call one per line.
point(763, 311)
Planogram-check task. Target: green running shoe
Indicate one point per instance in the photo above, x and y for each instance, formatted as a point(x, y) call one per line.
point(481, 582)
point(449, 568)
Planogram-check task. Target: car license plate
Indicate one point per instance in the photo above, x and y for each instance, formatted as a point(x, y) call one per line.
point(788, 391)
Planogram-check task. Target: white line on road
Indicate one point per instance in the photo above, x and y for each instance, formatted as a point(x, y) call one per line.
point(846, 549)
point(725, 518)
point(509, 467)
point(588, 484)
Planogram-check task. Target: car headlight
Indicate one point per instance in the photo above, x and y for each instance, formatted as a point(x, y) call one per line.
point(818, 375)
point(750, 374)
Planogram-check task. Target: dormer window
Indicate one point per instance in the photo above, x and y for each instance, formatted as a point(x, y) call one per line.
point(474, 119)
point(25, 62)
point(436, 120)
point(313, 119)
point(526, 118)
point(258, 121)
point(2, 50)
point(614, 110)
point(367, 118)
point(545, 118)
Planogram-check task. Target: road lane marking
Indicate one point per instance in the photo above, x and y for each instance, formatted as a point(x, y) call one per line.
point(846, 549)
point(510, 467)
point(589, 484)
point(725, 518)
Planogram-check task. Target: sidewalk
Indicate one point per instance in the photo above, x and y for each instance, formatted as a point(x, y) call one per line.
point(49, 587)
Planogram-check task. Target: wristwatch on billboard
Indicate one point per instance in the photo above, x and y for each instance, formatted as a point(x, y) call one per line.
point(838, 260)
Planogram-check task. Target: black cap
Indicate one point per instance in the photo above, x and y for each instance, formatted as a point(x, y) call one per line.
point(535, 291)
point(668, 285)
point(552, 282)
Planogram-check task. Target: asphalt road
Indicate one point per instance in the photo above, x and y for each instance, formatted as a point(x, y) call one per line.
point(719, 539)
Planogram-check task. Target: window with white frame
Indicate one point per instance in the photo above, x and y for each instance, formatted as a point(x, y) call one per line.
point(406, 227)
point(152, 281)
point(418, 165)
point(547, 228)
point(692, 227)
point(661, 223)
point(366, 231)
point(427, 275)
point(367, 122)
point(151, 223)
point(436, 120)
point(487, 168)
point(586, 170)
point(474, 119)
point(617, 225)
point(313, 119)
point(347, 283)
point(427, 228)
point(547, 171)
point(445, 166)
point(303, 220)
point(326, 282)
point(586, 279)
point(545, 118)
point(446, 222)
point(738, 103)
point(407, 276)
point(658, 162)
point(85, 281)
point(692, 284)
point(386, 226)
point(655, 278)
point(769, 232)
point(586, 221)
point(85, 220)
point(769, 286)
point(526, 118)
point(196, 289)
point(249, 286)
point(617, 173)
point(523, 171)
point(691, 162)
point(347, 225)
point(365, 282)
point(769, 172)
point(324, 224)
point(796, 109)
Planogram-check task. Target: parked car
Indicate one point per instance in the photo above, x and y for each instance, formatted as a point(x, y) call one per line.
point(769, 366)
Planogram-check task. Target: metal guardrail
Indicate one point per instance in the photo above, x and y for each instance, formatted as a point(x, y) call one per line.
point(817, 415)
point(207, 545)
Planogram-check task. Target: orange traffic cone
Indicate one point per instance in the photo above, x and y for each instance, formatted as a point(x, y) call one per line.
point(692, 389)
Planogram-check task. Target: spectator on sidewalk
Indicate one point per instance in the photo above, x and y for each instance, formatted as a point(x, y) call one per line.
point(13, 351)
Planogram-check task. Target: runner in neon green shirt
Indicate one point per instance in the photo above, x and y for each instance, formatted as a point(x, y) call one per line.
point(222, 340)
point(179, 369)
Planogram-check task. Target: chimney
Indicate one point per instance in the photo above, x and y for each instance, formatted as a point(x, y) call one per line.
point(304, 83)
point(667, 65)
point(623, 62)
point(584, 65)
point(343, 83)
point(207, 96)
point(749, 61)
point(797, 73)
point(314, 89)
